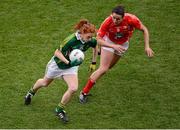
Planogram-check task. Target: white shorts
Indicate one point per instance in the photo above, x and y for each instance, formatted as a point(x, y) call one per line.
point(125, 45)
point(53, 71)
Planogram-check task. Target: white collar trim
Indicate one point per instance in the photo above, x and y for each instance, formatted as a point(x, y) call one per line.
point(78, 36)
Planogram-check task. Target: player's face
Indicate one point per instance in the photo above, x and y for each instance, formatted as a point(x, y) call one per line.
point(86, 37)
point(117, 18)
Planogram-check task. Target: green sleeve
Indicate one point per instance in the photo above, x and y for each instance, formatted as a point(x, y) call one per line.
point(67, 45)
point(93, 42)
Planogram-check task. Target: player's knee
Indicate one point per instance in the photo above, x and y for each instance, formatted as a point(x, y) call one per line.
point(45, 83)
point(73, 89)
point(104, 69)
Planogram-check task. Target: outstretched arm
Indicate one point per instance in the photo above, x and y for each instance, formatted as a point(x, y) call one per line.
point(148, 50)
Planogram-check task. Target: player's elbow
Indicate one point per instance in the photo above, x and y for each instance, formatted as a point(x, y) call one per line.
point(56, 52)
point(144, 29)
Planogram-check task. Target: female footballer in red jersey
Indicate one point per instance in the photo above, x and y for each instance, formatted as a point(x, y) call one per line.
point(116, 29)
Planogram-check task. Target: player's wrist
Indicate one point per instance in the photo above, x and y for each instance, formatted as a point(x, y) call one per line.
point(93, 63)
point(68, 62)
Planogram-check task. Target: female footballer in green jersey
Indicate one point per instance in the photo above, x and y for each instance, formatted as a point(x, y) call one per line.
point(61, 67)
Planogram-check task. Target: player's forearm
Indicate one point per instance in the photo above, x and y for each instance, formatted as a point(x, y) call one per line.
point(95, 53)
point(146, 37)
point(58, 54)
point(146, 40)
point(101, 42)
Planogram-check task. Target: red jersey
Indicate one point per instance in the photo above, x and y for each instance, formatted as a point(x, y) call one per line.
point(122, 32)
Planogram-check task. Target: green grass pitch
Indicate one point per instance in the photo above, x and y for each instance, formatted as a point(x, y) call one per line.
point(139, 92)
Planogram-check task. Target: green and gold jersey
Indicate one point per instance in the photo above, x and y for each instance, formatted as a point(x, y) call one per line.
point(73, 42)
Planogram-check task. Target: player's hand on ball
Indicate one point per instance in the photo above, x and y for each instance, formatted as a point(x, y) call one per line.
point(75, 63)
point(92, 66)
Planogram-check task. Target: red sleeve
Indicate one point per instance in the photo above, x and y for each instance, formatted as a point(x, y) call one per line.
point(103, 28)
point(136, 22)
